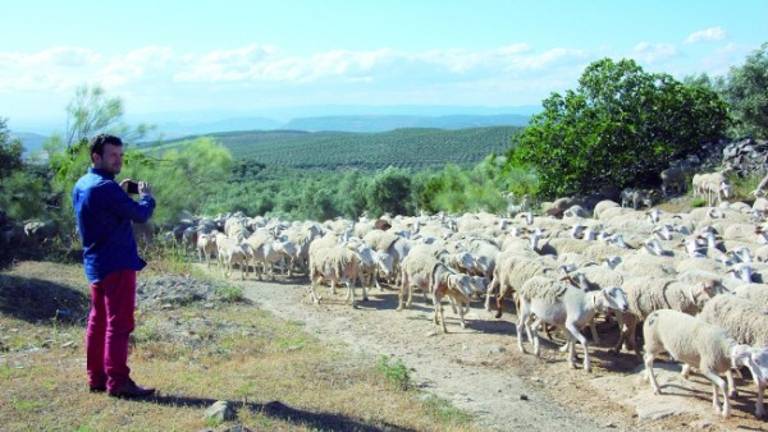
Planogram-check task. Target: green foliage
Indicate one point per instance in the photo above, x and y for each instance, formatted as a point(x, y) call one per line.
point(747, 94)
point(698, 202)
point(401, 148)
point(22, 192)
point(230, 294)
point(389, 192)
point(742, 187)
point(91, 112)
point(22, 195)
point(181, 179)
point(483, 188)
point(620, 126)
point(445, 412)
point(10, 151)
point(395, 372)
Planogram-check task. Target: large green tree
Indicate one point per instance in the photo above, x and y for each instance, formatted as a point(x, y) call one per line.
point(747, 94)
point(620, 126)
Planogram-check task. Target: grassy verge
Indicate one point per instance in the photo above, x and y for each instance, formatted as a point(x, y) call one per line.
point(279, 377)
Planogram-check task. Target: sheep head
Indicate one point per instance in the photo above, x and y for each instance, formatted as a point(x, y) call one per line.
point(613, 298)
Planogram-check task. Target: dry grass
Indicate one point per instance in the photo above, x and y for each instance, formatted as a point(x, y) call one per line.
point(280, 377)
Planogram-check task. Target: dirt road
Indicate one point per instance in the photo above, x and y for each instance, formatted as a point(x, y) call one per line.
point(479, 368)
point(465, 366)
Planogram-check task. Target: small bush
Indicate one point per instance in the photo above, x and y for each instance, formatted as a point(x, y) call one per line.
point(698, 202)
point(395, 372)
point(230, 294)
point(742, 187)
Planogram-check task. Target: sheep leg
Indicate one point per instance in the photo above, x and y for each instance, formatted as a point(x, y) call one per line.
point(351, 292)
point(500, 300)
point(719, 383)
point(732, 392)
point(400, 295)
point(648, 359)
point(521, 323)
point(593, 329)
point(533, 334)
point(760, 384)
point(571, 352)
point(439, 311)
point(312, 293)
point(453, 306)
point(410, 296)
point(575, 333)
point(491, 287)
point(461, 316)
point(631, 340)
point(686, 370)
point(365, 293)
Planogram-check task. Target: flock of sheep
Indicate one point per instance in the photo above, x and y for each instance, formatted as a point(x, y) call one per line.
point(695, 280)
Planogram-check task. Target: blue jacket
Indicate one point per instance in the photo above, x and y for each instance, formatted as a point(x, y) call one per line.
point(104, 213)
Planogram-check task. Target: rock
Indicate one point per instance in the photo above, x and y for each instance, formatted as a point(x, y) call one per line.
point(701, 424)
point(523, 397)
point(496, 349)
point(655, 413)
point(221, 411)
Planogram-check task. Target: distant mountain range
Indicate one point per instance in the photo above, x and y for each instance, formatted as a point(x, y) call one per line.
point(340, 123)
point(368, 120)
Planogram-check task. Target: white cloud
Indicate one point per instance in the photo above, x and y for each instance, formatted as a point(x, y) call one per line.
point(652, 53)
point(154, 75)
point(708, 34)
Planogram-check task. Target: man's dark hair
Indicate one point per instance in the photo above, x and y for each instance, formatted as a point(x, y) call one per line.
point(99, 141)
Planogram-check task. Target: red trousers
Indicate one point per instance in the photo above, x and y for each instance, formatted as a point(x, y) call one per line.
point(113, 300)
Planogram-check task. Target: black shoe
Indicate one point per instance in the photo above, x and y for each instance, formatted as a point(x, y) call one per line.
point(97, 389)
point(130, 390)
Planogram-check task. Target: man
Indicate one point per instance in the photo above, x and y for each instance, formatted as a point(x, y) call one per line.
point(104, 212)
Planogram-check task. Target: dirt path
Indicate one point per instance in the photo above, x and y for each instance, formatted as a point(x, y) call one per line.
point(458, 366)
point(480, 369)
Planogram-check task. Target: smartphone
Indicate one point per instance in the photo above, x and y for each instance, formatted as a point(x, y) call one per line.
point(133, 187)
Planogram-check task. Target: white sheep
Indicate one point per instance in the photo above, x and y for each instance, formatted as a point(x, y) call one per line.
point(563, 305)
point(337, 264)
point(648, 294)
point(206, 246)
point(745, 320)
point(447, 283)
point(416, 272)
point(754, 292)
point(708, 347)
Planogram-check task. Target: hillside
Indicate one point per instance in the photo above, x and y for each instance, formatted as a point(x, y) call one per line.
point(413, 148)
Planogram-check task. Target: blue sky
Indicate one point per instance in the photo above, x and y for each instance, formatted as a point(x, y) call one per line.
point(247, 57)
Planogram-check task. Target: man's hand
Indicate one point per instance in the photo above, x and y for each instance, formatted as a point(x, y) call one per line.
point(145, 188)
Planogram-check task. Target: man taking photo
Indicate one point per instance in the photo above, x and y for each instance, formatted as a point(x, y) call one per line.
point(104, 213)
